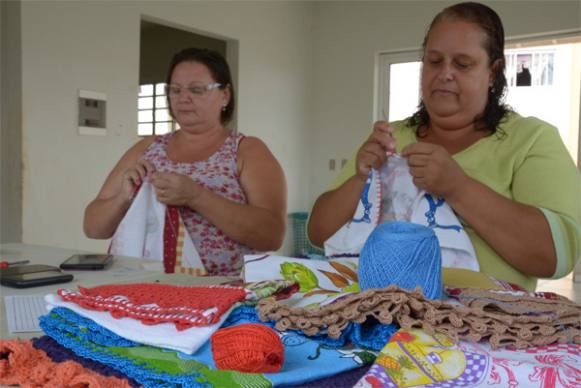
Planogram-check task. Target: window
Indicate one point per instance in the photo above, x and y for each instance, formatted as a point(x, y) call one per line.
point(153, 116)
point(550, 87)
point(543, 81)
point(530, 67)
point(398, 85)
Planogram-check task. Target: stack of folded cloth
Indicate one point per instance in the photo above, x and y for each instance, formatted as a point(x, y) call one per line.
point(133, 332)
point(156, 335)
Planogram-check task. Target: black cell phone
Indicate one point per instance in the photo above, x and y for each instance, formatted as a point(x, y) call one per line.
point(23, 279)
point(88, 261)
point(20, 269)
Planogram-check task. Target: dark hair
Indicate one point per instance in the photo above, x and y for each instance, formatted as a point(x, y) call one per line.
point(489, 21)
point(218, 67)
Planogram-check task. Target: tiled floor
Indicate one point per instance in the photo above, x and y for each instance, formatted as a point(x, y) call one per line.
point(564, 286)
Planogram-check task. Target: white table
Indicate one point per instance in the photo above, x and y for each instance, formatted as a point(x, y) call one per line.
point(123, 270)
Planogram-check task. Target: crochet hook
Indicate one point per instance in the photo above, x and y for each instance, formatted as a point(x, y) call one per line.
point(6, 264)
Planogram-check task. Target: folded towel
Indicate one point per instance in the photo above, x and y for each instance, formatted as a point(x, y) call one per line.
point(163, 335)
point(150, 229)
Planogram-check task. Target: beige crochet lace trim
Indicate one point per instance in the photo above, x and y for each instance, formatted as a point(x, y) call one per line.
point(498, 317)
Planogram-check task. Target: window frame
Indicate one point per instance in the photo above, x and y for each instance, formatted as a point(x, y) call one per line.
point(382, 84)
point(154, 108)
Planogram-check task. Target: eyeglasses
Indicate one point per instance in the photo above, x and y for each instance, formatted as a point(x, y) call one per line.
point(195, 91)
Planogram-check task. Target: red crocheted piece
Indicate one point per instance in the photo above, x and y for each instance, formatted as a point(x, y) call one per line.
point(249, 348)
point(21, 364)
point(185, 306)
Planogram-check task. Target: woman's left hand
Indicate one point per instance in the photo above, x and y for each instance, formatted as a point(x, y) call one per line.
point(175, 189)
point(433, 169)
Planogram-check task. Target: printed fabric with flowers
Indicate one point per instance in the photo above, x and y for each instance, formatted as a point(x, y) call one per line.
point(219, 173)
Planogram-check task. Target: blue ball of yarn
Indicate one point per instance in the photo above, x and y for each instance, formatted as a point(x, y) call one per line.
point(404, 254)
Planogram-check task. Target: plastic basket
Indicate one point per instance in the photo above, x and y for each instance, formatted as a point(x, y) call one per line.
point(301, 245)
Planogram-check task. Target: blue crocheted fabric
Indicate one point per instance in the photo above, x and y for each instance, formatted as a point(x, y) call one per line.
point(149, 366)
point(368, 335)
point(371, 334)
point(83, 328)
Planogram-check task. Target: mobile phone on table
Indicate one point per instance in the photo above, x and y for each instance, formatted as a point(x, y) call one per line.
point(88, 261)
point(33, 276)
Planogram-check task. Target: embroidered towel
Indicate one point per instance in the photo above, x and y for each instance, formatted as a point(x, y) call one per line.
point(150, 229)
point(403, 201)
point(390, 195)
point(349, 240)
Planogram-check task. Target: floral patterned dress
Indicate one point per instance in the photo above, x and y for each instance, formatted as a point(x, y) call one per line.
point(221, 255)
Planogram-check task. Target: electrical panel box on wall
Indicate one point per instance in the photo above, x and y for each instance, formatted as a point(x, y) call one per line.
point(92, 113)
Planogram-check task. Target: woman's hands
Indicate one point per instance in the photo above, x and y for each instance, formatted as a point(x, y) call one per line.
point(105, 212)
point(433, 169)
point(175, 189)
point(171, 188)
point(133, 177)
point(373, 153)
point(336, 207)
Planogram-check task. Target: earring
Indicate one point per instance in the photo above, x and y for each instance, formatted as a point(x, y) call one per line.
point(224, 107)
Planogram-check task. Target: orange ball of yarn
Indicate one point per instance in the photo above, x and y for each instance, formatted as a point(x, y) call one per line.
point(250, 347)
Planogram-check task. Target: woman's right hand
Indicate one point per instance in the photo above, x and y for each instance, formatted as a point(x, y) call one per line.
point(133, 177)
point(105, 212)
point(374, 152)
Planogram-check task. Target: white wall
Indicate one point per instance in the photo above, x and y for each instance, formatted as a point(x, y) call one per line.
point(10, 123)
point(94, 45)
point(347, 37)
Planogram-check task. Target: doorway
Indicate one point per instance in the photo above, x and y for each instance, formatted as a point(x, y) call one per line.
point(158, 44)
